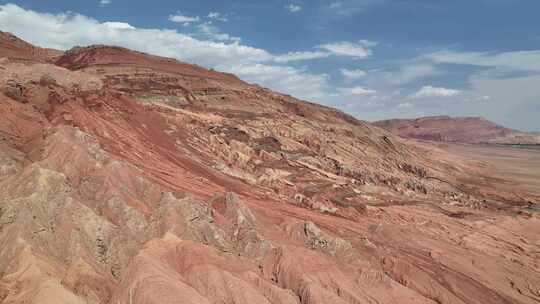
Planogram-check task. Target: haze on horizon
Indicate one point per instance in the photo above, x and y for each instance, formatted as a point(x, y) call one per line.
point(374, 59)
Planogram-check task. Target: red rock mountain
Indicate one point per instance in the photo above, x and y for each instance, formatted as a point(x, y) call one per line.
point(457, 129)
point(15, 48)
point(130, 178)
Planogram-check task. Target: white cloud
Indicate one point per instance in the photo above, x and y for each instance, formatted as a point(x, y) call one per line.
point(118, 25)
point(357, 91)
point(353, 74)
point(63, 31)
point(286, 79)
point(358, 49)
point(433, 92)
point(350, 7)
point(293, 8)
point(298, 56)
point(517, 60)
point(211, 32)
point(405, 105)
point(368, 43)
point(179, 18)
point(410, 73)
point(209, 48)
point(104, 2)
point(217, 16)
point(480, 99)
point(484, 98)
point(513, 101)
point(503, 87)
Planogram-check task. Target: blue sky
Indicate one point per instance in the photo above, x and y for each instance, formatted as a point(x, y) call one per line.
point(375, 59)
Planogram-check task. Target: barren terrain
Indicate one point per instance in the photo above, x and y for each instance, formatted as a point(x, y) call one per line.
point(473, 130)
point(519, 166)
point(130, 178)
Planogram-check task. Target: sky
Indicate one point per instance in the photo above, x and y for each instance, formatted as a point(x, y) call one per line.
point(375, 59)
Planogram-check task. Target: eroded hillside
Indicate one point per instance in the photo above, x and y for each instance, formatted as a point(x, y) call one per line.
point(130, 178)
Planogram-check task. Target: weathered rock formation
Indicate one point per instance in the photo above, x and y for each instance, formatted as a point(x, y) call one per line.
point(130, 178)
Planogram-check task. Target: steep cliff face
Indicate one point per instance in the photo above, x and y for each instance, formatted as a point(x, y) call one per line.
point(130, 178)
point(458, 129)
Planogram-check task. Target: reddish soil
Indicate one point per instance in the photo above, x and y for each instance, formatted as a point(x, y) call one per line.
point(457, 129)
point(130, 178)
point(17, 49)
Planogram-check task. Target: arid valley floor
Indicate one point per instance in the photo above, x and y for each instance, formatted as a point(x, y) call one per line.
point(519, 166)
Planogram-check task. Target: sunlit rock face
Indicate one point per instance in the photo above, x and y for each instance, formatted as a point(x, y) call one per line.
point(130, 178)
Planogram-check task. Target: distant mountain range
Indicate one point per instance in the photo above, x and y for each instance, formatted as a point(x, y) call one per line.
point(473, 130)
